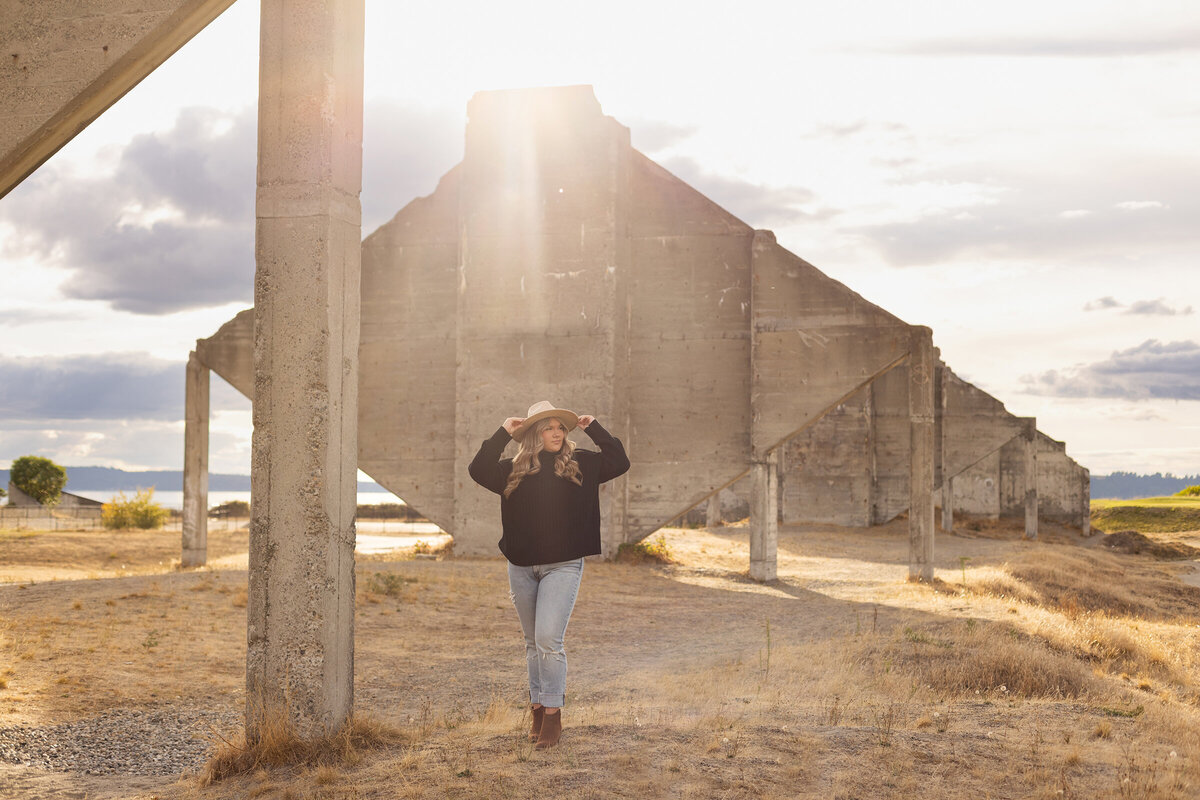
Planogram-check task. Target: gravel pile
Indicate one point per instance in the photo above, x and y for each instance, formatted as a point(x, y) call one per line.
point(157, 742)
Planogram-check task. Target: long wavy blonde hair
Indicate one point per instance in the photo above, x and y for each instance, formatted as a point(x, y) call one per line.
point(528, 463)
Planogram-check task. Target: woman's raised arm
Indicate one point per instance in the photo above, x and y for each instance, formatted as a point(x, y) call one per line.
point(613, 461)
point(485, 468)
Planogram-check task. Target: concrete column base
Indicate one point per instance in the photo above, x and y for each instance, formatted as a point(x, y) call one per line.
point(948, 505)
point(712, 513)
point(764, 519)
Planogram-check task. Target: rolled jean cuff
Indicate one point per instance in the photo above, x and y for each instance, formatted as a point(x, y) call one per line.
point(552, 700)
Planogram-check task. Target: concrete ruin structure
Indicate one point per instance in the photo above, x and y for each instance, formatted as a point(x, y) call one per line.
point(557, 261)
point(554, 262)
point(851, 467)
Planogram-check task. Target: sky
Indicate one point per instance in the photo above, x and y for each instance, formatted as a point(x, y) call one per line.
point(1020, 177)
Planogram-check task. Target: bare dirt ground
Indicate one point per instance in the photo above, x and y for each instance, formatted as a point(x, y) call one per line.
point(1027, 669)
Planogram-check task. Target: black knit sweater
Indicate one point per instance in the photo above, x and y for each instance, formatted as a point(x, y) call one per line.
point(547, 518)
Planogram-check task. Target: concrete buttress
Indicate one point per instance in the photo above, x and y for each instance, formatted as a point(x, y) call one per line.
point(300, 636)
point(67, 61)
point(195, 465)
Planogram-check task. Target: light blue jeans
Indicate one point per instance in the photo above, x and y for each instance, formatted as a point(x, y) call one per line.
point(544, 596)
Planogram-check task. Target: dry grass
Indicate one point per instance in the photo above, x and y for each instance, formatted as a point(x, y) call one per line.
point(1082, 582)
point(278, 744)
point(1025, 671)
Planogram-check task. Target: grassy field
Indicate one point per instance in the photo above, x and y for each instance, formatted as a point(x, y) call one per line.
point(1044, 669)
point(1147, 515)
point(1150, 502)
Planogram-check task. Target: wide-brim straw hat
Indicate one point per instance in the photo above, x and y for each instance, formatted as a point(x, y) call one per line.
point(543, 409)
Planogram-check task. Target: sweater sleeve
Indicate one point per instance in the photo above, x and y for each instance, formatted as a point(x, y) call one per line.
point(613, 461)
point(485, 468)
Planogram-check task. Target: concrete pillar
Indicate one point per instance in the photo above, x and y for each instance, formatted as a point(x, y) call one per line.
point(300, 636)
point(1085, 506)
point(942, 469)
point(1029, 446)
point(195, 465)
point(764, 518)
point(948, 504)
point(713, 511)
point(872, 463)
point(921, 454)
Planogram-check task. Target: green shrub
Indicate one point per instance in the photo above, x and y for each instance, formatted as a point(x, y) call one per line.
point(1191, 491)
point(656, 551)
point(140, 511)
point(38, 477)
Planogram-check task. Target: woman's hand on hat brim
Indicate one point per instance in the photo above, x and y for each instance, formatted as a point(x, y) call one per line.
point(585, 420)
point(512, 423)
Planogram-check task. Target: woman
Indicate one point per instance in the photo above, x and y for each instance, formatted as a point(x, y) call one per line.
point(550, 511)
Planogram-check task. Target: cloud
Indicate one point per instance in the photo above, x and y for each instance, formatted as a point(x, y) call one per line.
point(1017, 214)
point(1152, 370)
point(650, 136)
point(1102, 303)
point(1148, 307)
point(1180, 41)
point(1158, 307)
point(846, 130)
point(757, 205)
point(17, 317)
point(142, 444)
point(1139, 205)
point(173, 226)
point(109, 386)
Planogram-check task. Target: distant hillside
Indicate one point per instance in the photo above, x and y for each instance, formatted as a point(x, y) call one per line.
point(1128, 485)
point(95, 479)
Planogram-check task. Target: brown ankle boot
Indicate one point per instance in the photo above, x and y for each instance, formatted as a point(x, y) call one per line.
point(550, 732)
point(536, 729)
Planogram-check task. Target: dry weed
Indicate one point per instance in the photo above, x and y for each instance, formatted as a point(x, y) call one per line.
point(279, 744)
point(1078, 583)
point(987, 658)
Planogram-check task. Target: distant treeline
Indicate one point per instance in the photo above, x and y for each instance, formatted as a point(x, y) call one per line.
point(1119, 485)
point(1128, 485)
point(99, 479)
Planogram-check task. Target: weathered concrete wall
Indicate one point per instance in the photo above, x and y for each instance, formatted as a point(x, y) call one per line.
point(1012, 478)
point(64, 62)
point(975, 424)
point(827, 471)
point(977, 489)
point(810, 331)
point(689, 347)
point(407, 354)
point(891, 441)
point(1064, 487)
